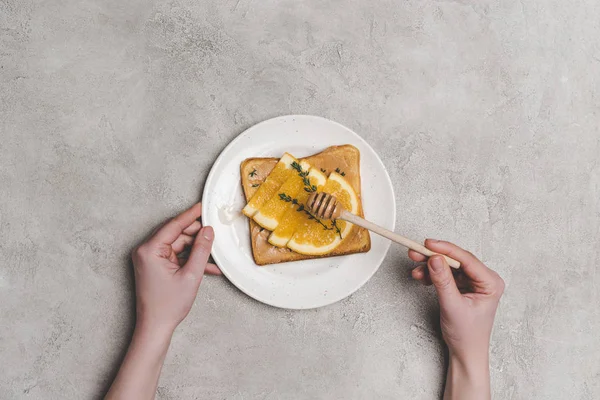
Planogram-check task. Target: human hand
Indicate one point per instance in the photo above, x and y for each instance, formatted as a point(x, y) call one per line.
point(468, 300)
point(165, 285)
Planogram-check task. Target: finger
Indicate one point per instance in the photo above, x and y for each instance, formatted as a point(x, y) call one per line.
point(172, 229)
point(181, 242)
point(158, 228)
point(441, 276)
point(193, 228)
point(212, 269)
point(420, 274)
point(470, 264)
point(418, 257)
point(198, 258)
point(190, 230)
point(173, 257)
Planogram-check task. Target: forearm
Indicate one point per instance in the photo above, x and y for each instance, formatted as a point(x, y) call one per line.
point(138, 376)
point(468, 379)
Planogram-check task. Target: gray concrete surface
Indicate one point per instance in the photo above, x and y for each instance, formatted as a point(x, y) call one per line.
point(486, 114)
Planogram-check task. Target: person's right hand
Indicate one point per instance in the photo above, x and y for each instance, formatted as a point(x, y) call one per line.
point(468, 301)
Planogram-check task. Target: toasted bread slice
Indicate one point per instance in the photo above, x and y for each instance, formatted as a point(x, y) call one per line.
point(342, 159)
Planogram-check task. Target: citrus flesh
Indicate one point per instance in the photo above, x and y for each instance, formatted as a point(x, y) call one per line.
point(271, 213)
point(295, 217)
point(319, 237)
point(282, 171)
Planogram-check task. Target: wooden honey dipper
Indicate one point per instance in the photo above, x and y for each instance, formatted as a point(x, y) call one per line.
point(325, 206)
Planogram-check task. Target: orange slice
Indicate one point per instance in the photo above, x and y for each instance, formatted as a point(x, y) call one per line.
point(282, 171)
point(295, 216)
point(271, 213)
point(319, 237)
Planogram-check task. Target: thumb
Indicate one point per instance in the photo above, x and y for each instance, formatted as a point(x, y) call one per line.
point(199, 254)
point(442, 279)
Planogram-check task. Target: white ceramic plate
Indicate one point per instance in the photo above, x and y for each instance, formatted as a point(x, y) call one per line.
point(299, 284)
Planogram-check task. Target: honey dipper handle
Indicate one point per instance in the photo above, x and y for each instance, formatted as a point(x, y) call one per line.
point(419, 248)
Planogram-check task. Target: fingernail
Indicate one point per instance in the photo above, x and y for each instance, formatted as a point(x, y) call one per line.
point(436, 263)
point(208, 233)
point(433, 240)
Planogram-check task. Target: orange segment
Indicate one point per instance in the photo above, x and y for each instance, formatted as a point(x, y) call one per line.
point(295, 216)
point(282, 171)
point(322, 237)
point(271, 213)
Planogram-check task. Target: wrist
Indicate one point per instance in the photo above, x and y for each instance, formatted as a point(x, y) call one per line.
point(468, 377)
point(474, 366)
point(152, 331)
point(475, 357)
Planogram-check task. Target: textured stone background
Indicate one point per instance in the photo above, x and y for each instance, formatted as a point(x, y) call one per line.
point(486, 114)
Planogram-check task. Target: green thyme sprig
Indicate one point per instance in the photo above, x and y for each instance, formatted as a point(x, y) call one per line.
point(304, 175)
point(301, 208)
point(286, 198)
point(337, 228)
point(256, 185)
point(253, 173)
point(310, 188)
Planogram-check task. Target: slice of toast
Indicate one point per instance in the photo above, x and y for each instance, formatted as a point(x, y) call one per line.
point(345, 159)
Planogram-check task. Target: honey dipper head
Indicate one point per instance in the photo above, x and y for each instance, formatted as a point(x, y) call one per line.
point(324, 205)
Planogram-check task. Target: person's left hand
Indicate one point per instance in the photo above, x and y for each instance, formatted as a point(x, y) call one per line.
point(165, 285)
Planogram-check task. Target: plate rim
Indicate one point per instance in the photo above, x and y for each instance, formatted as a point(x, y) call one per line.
point(214, 168)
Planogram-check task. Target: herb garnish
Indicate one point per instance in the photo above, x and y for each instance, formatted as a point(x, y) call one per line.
point(304, 175)
point(290, 199)
point(337, 228)
point(323, 170)
point(256, 185)
point(340, 172)
point(253, 173)
point(310, 188)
